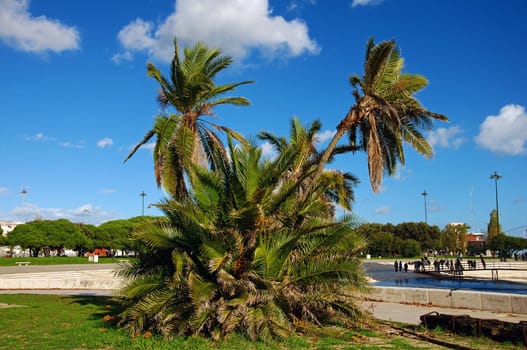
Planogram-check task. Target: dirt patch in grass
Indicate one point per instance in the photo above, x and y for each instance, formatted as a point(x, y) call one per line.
point(6, 306)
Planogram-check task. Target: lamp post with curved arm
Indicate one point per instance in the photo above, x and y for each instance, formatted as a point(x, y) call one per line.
point(23, 193)
point(143, 194)
point(424, 194)
point(495, 176)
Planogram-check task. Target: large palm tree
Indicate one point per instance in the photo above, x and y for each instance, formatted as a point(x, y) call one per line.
point(234, 257)
point(188, 136)
point(385, 113)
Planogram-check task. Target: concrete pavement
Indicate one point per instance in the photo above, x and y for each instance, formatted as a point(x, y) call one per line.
point(406, 313)
point(406, 305)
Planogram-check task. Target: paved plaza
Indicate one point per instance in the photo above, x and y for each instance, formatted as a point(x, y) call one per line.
point(383, 270)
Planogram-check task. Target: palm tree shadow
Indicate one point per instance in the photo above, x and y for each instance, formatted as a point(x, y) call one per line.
point(105, 308)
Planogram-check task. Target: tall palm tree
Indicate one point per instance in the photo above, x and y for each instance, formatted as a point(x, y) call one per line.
point(385, 113)
point(187, 136)
point(231, 260)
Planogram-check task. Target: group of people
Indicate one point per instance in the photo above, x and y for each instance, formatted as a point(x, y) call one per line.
point(451, 265)
point(520, 256)
point(420, 265)
point(439, 265)
point(398, 265)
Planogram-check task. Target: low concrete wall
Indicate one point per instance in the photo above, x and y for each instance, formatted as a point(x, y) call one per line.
point(104, 279)
point(65, 283)
point(497, 302)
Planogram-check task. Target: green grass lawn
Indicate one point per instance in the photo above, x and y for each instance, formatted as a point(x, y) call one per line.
point(80, 323)
point(64, 322)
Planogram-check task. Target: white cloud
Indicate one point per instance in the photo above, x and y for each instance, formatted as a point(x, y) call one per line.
point(293, 5)
point(324, 136)
point(434, 206)
point(297, 4)
point(268, 150)
point(236, 26)
point(383, 189)
point(365, 2)
point(27, 211)
point(118, 58)
point(149, 146)
point(104, 142)
point(137, 35)
point(401, 173)
point(39, 137)
point(446, 137)
point(83, 210)
point(382, 210)
point(68, 144)
point(86, 213)
point(3, 190)
point(108, 191)
point(21, 30)
point(505, 133)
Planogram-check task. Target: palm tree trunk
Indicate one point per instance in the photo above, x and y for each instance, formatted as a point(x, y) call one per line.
point(243, 263)
point(344, 125)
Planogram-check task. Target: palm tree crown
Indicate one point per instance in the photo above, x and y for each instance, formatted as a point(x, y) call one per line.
point(186, 137)
point(385, 113)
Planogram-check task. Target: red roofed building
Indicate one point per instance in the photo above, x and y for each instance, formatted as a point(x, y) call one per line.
point(476, 243)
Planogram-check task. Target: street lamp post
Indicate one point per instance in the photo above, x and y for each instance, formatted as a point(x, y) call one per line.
point(143, 194)
point(85, 213)
point(495, 176)
point(23, 194)
point(424, 194)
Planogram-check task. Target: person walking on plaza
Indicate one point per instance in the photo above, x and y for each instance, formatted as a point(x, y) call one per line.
point(483, 262)
point(395, 265)
point(401, 266)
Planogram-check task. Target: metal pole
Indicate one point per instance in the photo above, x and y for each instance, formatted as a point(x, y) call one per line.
point(23, 193)
point(143, 194)
point(495, 176)
point(426, 215)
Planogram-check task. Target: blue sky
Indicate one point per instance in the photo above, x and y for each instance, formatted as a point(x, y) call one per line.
point(75, 97)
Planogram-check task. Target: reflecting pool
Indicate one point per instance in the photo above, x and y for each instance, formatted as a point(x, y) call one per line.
point(456, 284)
point(384, 275)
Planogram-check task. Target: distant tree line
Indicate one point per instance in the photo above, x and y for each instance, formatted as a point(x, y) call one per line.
point(500, 244)
point(506, 246)
point(409, 239)
point(412, 239)
point(46, 237)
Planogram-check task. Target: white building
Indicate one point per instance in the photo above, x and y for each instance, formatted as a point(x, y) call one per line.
point(8, 226)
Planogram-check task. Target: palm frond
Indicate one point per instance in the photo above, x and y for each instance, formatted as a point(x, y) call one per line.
point(413, 137)
point(144, 141)
point(375, 63)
